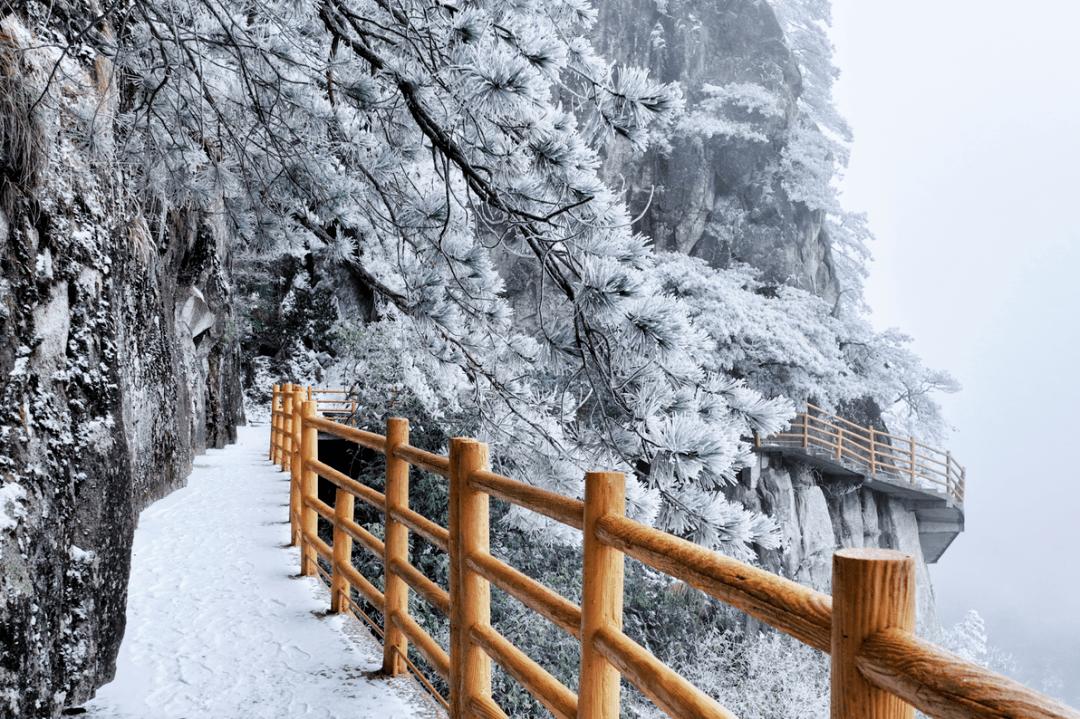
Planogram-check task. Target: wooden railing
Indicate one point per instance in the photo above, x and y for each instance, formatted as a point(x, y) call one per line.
point(902, 458)
point(880, 669)
point(333, 402)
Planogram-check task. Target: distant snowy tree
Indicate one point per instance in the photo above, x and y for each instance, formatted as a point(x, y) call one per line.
point(968, 640)
point(404, 139)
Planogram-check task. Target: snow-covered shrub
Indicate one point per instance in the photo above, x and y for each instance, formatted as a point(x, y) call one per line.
point(783, 341)
point(769, 676)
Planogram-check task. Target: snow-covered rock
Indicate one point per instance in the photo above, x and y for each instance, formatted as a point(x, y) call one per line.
point(111, 377)
point(818, 514)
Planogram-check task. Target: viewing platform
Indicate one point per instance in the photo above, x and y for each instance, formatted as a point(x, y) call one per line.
point(926, 479)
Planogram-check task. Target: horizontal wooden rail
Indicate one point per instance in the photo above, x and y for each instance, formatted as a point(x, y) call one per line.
point(435, 595)
point(559, 700)
point(486, 708)
point(373, 544)
point(439, 536)
point(789, 606)
point(867, 626)
point(562, 509)
point(435, 655)
point(365, 439)
point(534, 595)
point(668, 690)
point(320, 546)
point(321, 507)
point(424, 460)
point(941, 684)
point(356, 489)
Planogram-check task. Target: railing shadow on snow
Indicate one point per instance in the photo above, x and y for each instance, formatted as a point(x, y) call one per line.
point(880, 669)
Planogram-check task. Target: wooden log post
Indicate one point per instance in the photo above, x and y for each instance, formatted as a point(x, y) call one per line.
point(286, 427)
point(308, 443)
point(344, 508)
point(839, 442)
point(293, 456)
point(286, 463)
point(806, 429)
point(601, 597)
point(873, 462)
point(274, 422)
point(873, 589)
point(395, 643)
point(913, 460)
point(470, 594)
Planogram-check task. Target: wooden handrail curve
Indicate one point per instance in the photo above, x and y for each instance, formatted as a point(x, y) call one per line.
point(880, 668)
point(889, 455)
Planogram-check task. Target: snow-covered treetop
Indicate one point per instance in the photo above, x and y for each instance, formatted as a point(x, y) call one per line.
point(407, 139)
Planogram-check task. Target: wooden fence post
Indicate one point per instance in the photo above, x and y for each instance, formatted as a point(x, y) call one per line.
point(344, 507)
point(873, 589)
point(293, 454)
point(839, 442)
point(286, 427)
point(601, 597)
point(913, 460)
point(806, 429)
point(395, 644)
point(470, 595)
point(308, 442)
point(274, 422)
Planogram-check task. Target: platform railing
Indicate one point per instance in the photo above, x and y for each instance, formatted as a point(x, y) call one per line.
point(880, 669)
point(902, 458)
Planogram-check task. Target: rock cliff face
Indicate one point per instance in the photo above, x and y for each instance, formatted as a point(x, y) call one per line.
point(819, 514)
point(716, 190)
point(115, 367)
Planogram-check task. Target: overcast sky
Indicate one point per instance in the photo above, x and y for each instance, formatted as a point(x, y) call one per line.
point(966, 157)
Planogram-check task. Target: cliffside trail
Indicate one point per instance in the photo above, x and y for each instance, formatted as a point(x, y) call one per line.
point(219, 625)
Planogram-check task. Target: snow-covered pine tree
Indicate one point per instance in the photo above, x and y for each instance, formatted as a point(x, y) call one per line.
point(394, 136)
point(818, 147)
point(786, 342)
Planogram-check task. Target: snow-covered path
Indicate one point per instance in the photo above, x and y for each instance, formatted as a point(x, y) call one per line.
point(218, 623)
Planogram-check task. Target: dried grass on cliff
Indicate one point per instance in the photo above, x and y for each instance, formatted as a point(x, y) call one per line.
point(22, 139)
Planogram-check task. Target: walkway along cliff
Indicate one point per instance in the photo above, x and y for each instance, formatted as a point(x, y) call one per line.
point(880, 668)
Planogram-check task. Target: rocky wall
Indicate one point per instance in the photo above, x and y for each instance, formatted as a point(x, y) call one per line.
point(818, 514)
point(116, 365)
point(714, 187)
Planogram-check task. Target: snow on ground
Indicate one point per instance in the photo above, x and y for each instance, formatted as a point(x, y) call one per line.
point(218, 623)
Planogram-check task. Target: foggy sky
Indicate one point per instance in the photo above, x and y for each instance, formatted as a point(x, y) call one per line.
point(966, 157)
